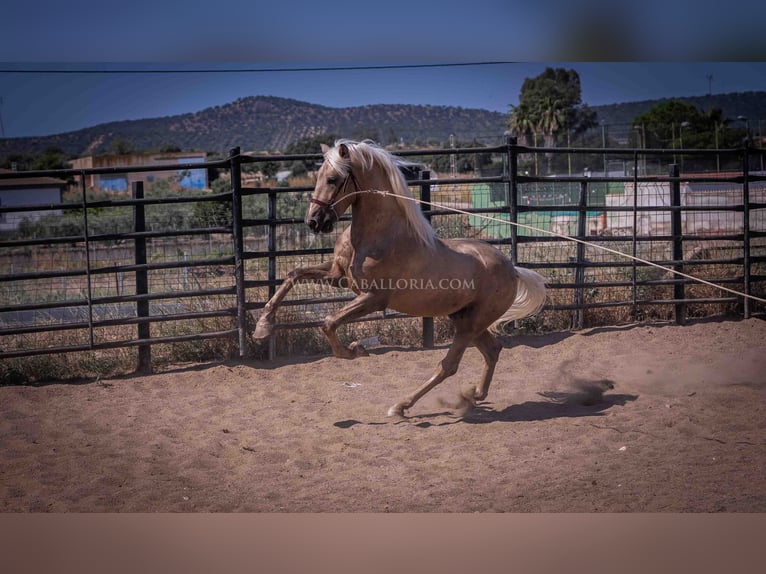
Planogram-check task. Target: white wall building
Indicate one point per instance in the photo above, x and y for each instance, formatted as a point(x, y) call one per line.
point(705, 194)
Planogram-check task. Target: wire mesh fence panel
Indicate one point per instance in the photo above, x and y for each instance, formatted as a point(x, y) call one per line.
point(72, 275)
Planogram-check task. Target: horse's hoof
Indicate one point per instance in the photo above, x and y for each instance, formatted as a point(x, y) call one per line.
point(396, 411)
point(466, 400)
point(263, 330)
point(358, 350)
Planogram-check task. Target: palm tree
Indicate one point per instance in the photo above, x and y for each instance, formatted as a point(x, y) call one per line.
point(551, 118)
point(522, 123)
point(546, 118)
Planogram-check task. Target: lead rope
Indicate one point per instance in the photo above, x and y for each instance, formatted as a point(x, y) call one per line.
point(554, 234)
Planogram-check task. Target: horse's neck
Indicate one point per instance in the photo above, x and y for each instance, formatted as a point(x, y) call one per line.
point(377, 217)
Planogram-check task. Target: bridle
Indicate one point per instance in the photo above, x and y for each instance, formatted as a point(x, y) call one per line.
point(340, 191)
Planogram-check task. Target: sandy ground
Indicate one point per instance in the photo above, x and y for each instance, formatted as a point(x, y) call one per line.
point(682, 430)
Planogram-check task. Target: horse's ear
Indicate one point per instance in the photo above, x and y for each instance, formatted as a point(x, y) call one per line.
point(325, 148)
point(343, 150)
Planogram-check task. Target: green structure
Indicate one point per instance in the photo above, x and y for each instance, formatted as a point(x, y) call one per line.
point(494, 195)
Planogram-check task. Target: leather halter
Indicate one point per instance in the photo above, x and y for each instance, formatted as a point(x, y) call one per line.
point(331, 203)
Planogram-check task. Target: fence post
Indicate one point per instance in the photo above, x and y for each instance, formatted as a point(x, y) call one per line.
point(271, 247)
point(142, 281)
point(86, 239)
point(746, 227)
point(579, 294)
point(676, 231)
point(425, 195)
point(634, 242)
point(239, 261)
point(512, 200)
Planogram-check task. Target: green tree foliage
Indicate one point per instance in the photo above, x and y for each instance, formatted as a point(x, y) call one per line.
point(298, 168)
point(21, 161)
point(464, 162)
point(550, 105)
point(269, 169)
point(122, 147)
point(675, 124)
point(212, 214)
point(52, 158)
point(312, 145)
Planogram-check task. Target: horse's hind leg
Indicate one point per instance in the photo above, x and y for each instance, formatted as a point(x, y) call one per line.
point(490, 349)
point(318, 273)
point(446, 368)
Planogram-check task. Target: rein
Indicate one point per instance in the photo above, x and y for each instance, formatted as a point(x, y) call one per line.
point(561, 236)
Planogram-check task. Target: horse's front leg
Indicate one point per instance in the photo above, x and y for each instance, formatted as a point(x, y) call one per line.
point(364, 304)
point(322, 273)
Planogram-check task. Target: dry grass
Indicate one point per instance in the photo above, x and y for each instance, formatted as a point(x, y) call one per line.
point(292, 341)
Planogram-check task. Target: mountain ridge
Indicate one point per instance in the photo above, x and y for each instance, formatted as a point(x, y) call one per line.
point(270, 123)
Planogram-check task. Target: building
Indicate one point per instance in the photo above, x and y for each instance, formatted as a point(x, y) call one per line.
point(28, 191)
point(122, 181)
point(705, 194)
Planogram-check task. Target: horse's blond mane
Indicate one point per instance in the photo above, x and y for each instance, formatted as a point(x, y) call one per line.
point(365, 154)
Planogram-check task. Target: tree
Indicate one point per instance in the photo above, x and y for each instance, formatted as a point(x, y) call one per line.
point(268, 169)
point(122, 147)
point(662, 125)
point(464, 163)
point(551, 105)
point(52, 158)
point(212, 214)
point(674, 124)
point(551, 118)
point(309, 145)
point(521, 122)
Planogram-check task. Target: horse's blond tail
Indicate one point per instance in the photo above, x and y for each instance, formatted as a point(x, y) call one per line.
point(530, 298)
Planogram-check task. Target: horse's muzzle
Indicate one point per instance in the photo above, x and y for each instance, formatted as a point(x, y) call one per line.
point(322, 220)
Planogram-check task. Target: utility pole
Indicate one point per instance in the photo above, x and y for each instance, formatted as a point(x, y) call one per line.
point(2, 128)
point(452, 159)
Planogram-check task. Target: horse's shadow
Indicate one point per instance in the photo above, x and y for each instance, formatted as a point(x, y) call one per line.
point(531, 411)
point(528, 411)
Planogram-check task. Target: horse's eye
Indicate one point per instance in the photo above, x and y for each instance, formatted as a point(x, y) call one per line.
point(332, 180)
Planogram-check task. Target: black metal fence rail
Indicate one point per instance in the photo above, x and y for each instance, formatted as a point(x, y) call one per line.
point(90, 312)
point(747, 256)
point(216, 294)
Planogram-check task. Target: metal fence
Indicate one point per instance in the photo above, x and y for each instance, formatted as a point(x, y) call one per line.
point(97, 273)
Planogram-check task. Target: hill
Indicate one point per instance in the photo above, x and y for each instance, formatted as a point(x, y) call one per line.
point(749, 104)
point(260, 123)
point(270, 123)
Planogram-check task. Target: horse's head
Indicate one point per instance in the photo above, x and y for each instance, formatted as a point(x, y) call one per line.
point(335, 181)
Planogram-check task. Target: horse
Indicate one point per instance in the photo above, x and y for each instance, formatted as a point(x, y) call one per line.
point(391, 258)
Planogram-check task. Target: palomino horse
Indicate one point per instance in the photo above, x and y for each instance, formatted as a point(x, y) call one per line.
point(391, 258)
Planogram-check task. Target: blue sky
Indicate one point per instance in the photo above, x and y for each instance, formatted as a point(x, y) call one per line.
point(44, 103)
point(599, 38)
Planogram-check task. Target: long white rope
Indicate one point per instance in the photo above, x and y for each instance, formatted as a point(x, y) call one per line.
point(554, 234)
